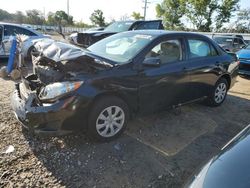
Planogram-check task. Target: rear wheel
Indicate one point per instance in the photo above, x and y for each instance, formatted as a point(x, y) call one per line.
point(29, 53)
point(219, 93)
point(108, 118)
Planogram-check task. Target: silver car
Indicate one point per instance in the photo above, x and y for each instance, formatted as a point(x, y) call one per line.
point(8, 31)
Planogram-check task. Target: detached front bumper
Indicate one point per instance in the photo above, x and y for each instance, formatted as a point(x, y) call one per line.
point(46, 118)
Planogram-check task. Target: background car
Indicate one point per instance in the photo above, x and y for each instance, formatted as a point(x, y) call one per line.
point(244, 57)
point(229, 169)
point(122, 76)
point(8, 31)
point(230, 43)
point(89, 37)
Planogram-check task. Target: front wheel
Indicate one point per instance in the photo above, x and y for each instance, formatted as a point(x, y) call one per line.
point(219, 93)
point(108, 118)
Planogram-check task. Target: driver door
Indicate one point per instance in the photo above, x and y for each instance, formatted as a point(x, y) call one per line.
point(8, 34)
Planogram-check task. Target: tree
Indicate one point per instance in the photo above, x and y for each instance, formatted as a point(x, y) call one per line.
point(5, 16)
point(200, 13)
point(62, 18)
point(34, 17)
point(97, 18)
point(137, 16)
point(171, 11)
point(225, 12)
point(19, 17)
point(244, 16)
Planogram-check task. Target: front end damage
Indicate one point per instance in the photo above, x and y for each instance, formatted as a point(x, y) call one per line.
point(46, 100)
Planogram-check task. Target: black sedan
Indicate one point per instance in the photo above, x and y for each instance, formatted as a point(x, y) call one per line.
point(230, 168)
point(89, 37)
point(117, 78)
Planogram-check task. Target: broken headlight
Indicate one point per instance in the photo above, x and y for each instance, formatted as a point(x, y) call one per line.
point(56, 90)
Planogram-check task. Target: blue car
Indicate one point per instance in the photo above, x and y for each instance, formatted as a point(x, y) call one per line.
point(244, 57)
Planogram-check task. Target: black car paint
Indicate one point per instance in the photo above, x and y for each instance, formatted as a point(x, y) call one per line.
point(88, 38)
point(229, 169)
point(145, 89)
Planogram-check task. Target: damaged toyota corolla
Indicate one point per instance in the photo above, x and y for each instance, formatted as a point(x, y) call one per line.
point(127, 74)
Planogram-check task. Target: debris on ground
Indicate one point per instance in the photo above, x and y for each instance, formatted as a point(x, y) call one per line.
point(10, 149)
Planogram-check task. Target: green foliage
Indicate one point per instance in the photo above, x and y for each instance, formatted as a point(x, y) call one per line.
point(97, 18)
point(62, 18)
point(34, 17)
point(225, 12)
point(242, 23)
point(137, 16)
point(201, 13)
point(171, 11)
point(5, 16)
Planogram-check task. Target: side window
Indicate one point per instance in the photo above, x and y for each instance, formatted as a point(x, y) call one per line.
point(23, 31)
point(200, 48)
point(9, 30)
point(236, 42)
point(13, 30)
point(241, 42)
point(148, 25)
point(168, 51)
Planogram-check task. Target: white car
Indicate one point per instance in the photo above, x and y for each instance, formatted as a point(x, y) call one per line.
point(8, 31)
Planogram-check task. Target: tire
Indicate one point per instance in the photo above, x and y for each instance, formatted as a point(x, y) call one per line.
point(29, 53)
point(101, 123)
point(218, 94)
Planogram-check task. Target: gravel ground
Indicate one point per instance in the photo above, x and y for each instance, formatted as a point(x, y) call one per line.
point(161, 150)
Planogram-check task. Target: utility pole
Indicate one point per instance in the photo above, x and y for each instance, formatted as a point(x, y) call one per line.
point(68, 7)
point(145, 8)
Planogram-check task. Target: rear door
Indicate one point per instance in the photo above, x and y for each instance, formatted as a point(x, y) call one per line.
point(166, 84)
point(204, 66)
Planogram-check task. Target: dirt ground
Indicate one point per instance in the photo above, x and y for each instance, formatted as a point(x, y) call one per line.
point(161, 150)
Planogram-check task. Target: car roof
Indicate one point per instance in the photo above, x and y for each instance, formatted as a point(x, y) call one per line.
point(228, 36)
point(18, 25)
point(158, 32)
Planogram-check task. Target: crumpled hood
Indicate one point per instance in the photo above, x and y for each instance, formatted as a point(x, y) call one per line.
point(58, 51)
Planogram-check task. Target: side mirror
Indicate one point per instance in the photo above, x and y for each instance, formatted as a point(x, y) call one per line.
point(152, 61)
point(234, 56)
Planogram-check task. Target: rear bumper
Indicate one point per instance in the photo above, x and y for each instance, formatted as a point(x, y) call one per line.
point(46, 119)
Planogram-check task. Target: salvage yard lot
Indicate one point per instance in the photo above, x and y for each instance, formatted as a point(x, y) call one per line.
point(161, 150)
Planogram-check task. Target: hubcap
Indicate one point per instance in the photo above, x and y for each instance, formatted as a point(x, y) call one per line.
point(110, 121)
point(220, 93)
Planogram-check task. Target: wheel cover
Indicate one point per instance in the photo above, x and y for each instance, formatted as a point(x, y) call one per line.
point(110, 121)
point(220, 93)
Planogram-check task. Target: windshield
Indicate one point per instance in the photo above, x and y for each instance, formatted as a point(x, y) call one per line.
point(119, 26)
point(121, 47)
point(223, 40)
point(247, 47)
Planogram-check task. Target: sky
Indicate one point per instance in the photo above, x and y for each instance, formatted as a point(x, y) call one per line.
point(82, 9)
